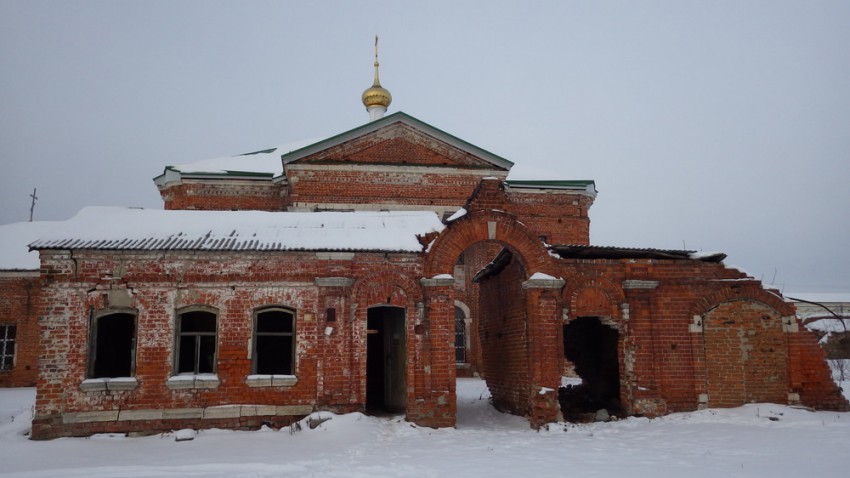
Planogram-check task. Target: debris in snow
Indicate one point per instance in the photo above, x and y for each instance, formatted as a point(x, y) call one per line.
point(294, 427)
point(314, 421)
point(186, 434)
point(602, 415)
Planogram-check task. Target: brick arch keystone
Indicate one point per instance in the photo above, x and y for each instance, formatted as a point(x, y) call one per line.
point(583, 287)
point(476, 227)
point(375, 288)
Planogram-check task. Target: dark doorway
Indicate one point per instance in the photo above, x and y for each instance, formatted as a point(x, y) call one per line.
point(386, 363)
point(592, 347)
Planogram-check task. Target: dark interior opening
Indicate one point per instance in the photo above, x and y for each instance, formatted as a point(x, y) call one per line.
point(197, 342)
point(385, 360)
point(274, 349)
point(114, 346)
point(592, 347)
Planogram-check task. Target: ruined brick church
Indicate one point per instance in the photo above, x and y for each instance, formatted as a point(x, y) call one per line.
point(365, 272)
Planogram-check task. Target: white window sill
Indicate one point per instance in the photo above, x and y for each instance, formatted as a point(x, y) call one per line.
point(185, 382)
point(271, 380)
point(110, 384)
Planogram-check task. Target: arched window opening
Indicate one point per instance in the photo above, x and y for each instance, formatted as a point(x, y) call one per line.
point(460, 335)
point(274, 342)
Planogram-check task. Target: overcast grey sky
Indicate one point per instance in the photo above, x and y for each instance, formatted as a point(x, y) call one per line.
point(714, 125)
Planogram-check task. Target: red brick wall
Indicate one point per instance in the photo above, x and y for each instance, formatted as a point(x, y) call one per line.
point(224, 195)
point(20, 295)
point(808, 375)
point(408, 187)
point(504, 339)
point(330, 367)
point(747, 353)
point(560, 218)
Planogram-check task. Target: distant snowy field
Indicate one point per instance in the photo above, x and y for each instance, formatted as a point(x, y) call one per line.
point(759, 440)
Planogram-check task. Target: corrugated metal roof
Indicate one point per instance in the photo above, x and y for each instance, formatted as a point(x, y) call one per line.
point(610, 252)
point(106, 228)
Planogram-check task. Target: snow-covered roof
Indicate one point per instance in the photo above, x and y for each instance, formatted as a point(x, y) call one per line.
point(114, 228)
point(14, 239)
point(265, 162)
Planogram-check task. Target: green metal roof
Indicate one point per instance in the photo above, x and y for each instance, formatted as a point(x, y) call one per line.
point(569, 184)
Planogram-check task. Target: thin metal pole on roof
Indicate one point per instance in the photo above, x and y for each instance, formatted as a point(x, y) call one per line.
point(32, 206)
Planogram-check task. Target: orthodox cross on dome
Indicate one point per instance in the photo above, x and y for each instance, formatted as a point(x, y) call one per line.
point(376, 99)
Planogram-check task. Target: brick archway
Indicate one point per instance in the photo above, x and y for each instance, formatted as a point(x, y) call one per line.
point(752, 293)
point(597, 297)
point(487, 225)
point(386, 288)
point(380, 289)
point(746, 354)
point(706, 347)
point(520, 358)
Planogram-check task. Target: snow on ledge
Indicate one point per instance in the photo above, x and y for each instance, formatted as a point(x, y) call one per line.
point(702, 255)
point(542, 276)
point(457, 215)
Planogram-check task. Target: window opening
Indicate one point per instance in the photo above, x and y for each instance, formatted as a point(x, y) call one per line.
point(460, 335)
point(196, 342)
point(274, 342)
point(113, 346)
point(7, 346)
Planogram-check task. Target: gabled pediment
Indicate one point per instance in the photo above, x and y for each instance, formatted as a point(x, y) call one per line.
point(397, 139)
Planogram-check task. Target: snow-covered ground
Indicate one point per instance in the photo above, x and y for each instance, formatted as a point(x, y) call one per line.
point(756, 440)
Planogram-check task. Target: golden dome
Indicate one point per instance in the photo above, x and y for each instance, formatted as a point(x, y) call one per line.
point(377, 95)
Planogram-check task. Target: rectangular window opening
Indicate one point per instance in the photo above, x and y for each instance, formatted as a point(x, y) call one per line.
point(7, 346)
point(196, 343)
point(274, 343)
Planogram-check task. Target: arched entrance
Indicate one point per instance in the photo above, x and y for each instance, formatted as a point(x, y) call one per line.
point(386, 362)
point(515, 308)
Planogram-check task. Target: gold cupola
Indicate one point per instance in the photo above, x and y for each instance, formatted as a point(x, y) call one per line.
point(376, 99)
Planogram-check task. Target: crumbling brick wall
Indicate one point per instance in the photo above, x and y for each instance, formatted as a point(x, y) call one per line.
point(322, 289)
